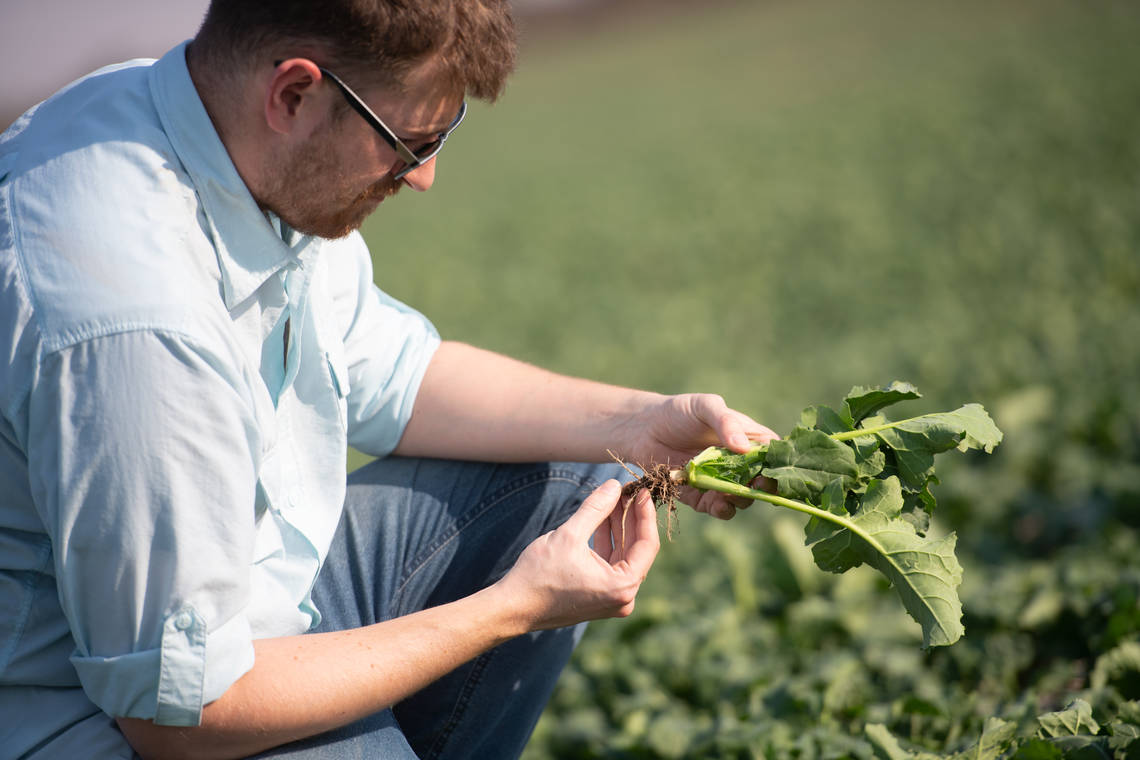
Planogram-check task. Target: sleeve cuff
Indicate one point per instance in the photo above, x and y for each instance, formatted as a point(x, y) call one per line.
point(170, 685)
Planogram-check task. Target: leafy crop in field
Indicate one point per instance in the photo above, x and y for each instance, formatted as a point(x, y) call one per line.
point(866, 484)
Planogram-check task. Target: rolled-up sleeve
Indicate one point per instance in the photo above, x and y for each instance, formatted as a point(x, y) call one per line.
point(388, 346)
point(141, 452)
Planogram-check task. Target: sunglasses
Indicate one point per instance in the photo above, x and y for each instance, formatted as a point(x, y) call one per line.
point(412, 159)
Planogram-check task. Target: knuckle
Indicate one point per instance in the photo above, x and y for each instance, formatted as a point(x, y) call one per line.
point(626, 596)
point(717, 403)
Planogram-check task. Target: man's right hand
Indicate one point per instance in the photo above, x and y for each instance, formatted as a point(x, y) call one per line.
point(559, 580)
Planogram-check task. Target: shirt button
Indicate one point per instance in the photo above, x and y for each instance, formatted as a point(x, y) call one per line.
point(183, 621)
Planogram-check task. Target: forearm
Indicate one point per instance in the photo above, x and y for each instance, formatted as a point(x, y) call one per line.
point(475, 404)
point(304, 685)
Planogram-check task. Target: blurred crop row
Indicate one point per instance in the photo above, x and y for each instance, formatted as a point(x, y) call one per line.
point(777, 201)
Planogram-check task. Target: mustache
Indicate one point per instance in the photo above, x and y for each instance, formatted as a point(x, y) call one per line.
point(381, 189)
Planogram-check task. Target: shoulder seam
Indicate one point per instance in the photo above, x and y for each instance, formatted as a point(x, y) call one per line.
point(107, 330)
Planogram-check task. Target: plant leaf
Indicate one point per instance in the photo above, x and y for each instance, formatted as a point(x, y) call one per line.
point(1074, 720)
point(826, 419)
point(915, 441)
point(914, 448)
point(924, 571)
point(833, 501)
point(980, 431)
point(862, 402)
point(1118, 667)
point(1124, 737)
point(721, 463)
point(995, 739)
point(806, 461)
point(1037, 749)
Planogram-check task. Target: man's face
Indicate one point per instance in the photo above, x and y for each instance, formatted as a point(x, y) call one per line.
point(317, 192)
point(335, 178)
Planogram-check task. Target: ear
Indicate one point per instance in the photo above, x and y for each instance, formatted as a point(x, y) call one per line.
point(292, 98)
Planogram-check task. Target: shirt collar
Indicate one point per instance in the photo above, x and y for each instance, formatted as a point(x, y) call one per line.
point(250, 246)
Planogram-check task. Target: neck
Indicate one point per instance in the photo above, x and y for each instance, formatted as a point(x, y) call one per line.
point(233, 125)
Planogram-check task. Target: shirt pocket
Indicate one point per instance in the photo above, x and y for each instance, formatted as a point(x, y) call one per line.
point(338, 377)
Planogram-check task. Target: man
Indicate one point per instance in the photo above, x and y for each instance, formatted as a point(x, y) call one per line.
point(191, 337)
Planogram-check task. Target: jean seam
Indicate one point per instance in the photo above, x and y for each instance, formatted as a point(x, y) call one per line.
point(511, 489)
point(469, 686)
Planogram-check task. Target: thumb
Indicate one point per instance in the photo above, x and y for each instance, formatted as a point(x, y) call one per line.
point(594, 510)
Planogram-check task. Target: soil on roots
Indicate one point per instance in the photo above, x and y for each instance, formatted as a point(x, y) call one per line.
point(663, 484)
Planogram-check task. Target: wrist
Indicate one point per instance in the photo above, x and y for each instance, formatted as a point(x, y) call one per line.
point(628, 424)
point(509, 613)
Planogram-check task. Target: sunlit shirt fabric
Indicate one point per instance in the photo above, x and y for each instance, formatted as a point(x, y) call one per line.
point(171, 473)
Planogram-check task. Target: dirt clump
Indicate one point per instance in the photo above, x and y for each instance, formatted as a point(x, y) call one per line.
point(664, 486)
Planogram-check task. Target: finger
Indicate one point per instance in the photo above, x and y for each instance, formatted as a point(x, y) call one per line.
point(618, 530)
point(761, 483)
point(689, 495)
point(735, 431)
point(739, 502)
point(603, 542)
point(642, 550)
point(742, 433)
point(723, 509)
point(594, 510)
point(759, 434)
point(716, 505)
point(697, 500)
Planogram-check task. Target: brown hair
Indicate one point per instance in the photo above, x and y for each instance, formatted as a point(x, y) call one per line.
point(472, 43)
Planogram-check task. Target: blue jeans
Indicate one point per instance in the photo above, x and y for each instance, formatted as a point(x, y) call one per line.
point(417, 533)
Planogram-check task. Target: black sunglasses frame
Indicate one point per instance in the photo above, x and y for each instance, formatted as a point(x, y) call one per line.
point(413, 159)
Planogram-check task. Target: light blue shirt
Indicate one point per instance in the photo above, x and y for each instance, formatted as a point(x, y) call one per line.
point(170, 475)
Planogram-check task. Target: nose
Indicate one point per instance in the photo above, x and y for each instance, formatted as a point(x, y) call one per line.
point(421, 178)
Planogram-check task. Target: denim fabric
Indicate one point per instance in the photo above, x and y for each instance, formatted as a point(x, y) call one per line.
point(418, 533)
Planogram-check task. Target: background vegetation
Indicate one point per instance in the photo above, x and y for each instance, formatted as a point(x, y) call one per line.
point(777, 201)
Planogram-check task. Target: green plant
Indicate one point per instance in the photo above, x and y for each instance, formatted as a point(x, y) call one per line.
point(866, 484)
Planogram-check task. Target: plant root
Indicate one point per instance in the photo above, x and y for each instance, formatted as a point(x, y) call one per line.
point(664, 486)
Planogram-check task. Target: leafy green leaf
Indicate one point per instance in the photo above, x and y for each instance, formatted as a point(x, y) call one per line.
point(1038, 749)
point(980, 431)
point(833, 501)
point(914, 445)
point(996, 737)
point(1076, 719)
point(826, 419)
point(914, 442)
point(721, 463)
point(862, 402)
point(1129, 712)
point(806, 461)
point(924, 572)
point(1119, 669)
point(1125, 736)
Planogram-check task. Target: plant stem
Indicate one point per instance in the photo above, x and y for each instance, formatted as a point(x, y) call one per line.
point(709, 483)
point(861, 432)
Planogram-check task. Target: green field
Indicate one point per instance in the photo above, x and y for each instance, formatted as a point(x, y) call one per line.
point(777, 201)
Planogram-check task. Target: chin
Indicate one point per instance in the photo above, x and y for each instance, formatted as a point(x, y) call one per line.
point(344, 222)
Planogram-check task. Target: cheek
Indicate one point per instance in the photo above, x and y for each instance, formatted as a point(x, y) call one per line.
point(365, 154)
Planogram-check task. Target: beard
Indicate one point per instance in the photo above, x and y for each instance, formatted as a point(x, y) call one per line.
point(311, 194)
